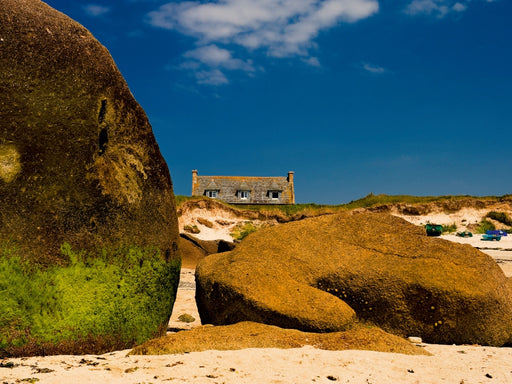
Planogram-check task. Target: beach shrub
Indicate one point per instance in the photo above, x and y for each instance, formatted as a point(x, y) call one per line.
point(485, 225)
point(372, 200)
point(180, 199)
point(290, 210)
point(450, 228)
point(125, 294)
point(242, 230)
point(501, 217)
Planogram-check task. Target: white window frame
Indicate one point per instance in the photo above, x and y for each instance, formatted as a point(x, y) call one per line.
point(271, 195)
point(244, 195)
point(212, 193)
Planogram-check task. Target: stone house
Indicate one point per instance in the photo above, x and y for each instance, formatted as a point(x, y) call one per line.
point(245, 190)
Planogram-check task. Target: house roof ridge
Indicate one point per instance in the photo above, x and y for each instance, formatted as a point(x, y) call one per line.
point(245, 177)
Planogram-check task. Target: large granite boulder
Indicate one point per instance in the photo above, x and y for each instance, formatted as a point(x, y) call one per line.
point(319, 274)
point(83, 185)
point(193, 249)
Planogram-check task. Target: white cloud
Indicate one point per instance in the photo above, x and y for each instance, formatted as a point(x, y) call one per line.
point(211, 77)
point(280, 28)
point(438, 8)
point(214, 56)
point(459, 7)
point(207, 62)
point(96, 10)
point(428, 7)
point(372, 68)
point(313, 61)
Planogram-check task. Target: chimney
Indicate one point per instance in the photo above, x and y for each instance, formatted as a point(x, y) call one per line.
point(292, 188)
point(194, 182)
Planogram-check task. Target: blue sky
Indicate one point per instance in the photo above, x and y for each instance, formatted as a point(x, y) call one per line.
point(356, 96)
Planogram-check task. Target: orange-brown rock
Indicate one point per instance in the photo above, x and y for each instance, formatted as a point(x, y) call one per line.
point(193, 249)
point(80, 171)
point(316, 274)
point(78, 158)
point(256, 335)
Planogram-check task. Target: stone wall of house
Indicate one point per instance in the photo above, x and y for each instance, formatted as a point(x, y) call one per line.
point(260, 189)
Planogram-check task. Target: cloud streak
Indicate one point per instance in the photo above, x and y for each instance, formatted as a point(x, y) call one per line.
point(96, 10)
point(208, 61)
point(214, 56)
point(279, 28)
point(437, 8)
point(372, 68)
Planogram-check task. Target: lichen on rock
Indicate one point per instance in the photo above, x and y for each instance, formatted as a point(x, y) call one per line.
point(120, 172)
point(10, 165)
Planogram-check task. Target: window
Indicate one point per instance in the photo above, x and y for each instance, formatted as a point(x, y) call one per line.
point(274, 195)
point(243, 195)
point(212, 193)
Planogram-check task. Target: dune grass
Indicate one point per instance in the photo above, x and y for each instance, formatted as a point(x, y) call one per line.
point(371, 200)
point(501, 217)
point(180, 199)
point(484, 226)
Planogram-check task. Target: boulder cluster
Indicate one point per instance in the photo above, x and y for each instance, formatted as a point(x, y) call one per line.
point(328, 273)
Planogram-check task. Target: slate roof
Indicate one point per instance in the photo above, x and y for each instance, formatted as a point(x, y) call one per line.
point(260, 188)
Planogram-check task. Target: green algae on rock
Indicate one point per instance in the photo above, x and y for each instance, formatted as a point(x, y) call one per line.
point(98, 301)
point(79, 163)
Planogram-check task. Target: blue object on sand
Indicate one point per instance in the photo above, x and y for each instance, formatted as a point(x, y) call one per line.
point(488, 237)
point(496, 232)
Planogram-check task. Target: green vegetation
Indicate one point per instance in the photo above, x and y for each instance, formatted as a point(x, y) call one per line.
point(450, 228)
point(372, 200)
point(125, 293)
point(368, 201)
point(242, 230)
point(501, 217)
point(485, 225)
point(287, 210)
point(180, 199)
point(294, 209)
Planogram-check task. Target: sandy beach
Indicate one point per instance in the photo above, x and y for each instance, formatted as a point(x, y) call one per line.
point(459, 364)
point(449, 364)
